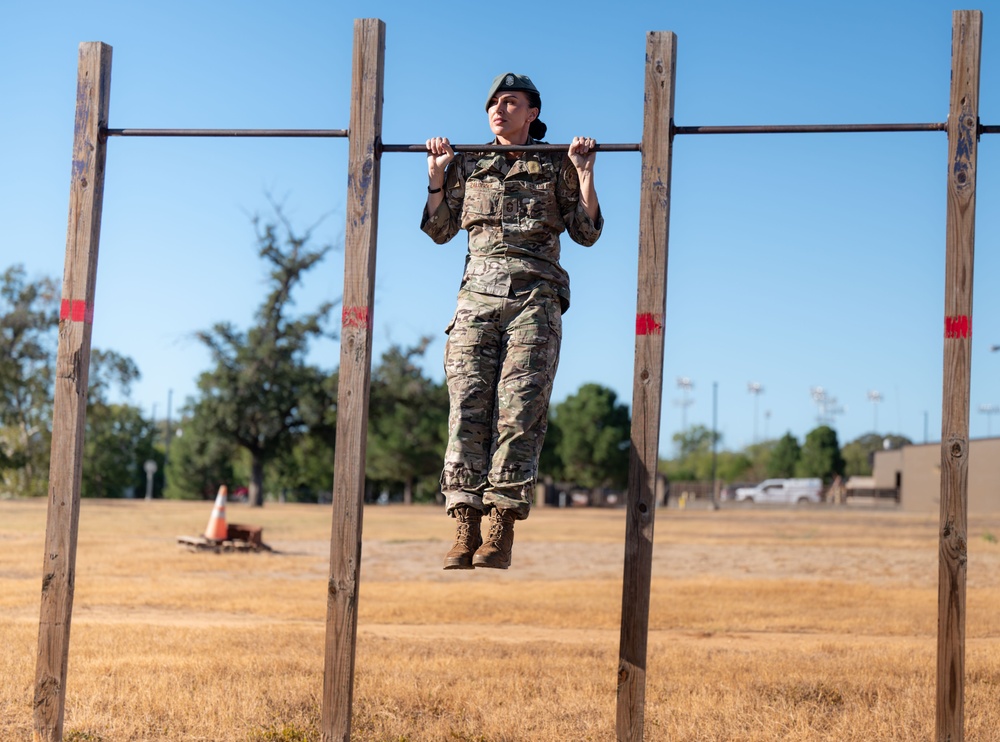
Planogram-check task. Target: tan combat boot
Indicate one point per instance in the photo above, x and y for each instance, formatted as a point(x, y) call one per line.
point(467, 538)
point(495, 551)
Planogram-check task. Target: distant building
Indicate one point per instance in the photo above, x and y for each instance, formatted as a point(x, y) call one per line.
point(915, 471)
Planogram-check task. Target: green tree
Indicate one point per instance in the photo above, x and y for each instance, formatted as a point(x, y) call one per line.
point(734, 467)
point(680, 470)
point(593, 438)
point(28, 320)
point(697, 439)
point(407, 421)
point(305, 472)
point(118, 440)
point(549, 463)
point(262, 395)
point(859, 454)
point(758, 456)
point(200, 460)
point(784, 457)
point(820, 455)
point(694, 455)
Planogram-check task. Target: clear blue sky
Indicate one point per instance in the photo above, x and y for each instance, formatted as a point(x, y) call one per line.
point(795, 261)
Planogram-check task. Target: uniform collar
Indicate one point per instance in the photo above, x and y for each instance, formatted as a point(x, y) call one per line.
point(498, 161)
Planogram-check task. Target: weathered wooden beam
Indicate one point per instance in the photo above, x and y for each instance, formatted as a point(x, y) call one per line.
point(355, 374)
point(963, 128)
point(86, 196)
point(647, 387)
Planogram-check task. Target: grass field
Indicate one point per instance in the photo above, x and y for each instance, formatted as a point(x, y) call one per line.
point(808, 624)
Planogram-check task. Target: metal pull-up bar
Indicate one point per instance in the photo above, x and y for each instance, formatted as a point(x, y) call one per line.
point(545, 147)
point(345, 133)
point(675, 130)
point(807, 128)
point(599, 147)
point(314, 133)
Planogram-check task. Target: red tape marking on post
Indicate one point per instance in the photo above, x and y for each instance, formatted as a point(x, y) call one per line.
point(76, 311)
point(648, 324)
point(357, 317)
point(957, 327)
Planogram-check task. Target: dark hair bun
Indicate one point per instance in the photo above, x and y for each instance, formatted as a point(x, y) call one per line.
point(537, 129)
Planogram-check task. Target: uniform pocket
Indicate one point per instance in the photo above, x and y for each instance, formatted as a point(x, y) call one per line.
point(533, 346)
point(533, 335)
point(480, 199)
point(540, 201)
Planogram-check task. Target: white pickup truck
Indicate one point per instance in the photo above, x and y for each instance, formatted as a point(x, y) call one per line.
point(782, 491)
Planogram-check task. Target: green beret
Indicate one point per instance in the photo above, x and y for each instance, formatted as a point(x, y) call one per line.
point(510, 81)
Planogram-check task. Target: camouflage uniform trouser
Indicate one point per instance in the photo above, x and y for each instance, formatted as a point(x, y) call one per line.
point(500, 362)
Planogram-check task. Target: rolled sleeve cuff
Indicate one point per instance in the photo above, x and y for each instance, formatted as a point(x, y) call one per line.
point(586, 230)
point(436, 225)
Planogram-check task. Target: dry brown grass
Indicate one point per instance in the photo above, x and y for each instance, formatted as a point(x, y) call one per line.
point(764, 625)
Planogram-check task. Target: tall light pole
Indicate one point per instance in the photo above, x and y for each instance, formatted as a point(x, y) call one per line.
point(685, 384)
point(818, 395)
point(756, 389)
point(874, 397)
point(715, 440)
point(166, 446)
point(989, 410)
point(826, 405)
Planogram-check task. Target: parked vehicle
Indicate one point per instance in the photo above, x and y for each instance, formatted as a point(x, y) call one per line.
point(727, 493)
point(782, 491)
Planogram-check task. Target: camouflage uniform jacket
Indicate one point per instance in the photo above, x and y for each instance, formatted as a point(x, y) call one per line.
point(514, 212)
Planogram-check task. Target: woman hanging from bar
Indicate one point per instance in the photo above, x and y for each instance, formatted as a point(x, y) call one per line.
point(503, 341)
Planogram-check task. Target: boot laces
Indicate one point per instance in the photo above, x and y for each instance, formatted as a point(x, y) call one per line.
point(496, 530)
point(496, 527)
point(464, 530)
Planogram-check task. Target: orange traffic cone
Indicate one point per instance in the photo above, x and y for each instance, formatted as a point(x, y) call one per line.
point(216, 530)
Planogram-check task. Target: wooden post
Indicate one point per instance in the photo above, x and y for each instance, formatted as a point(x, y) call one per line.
point(76, 314)
point(963, 135)
point(647, 388)
point(355, 374)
